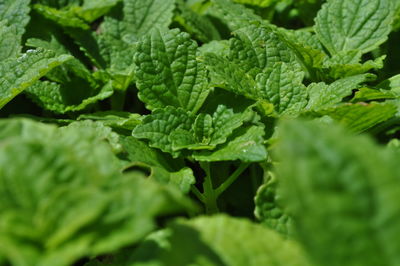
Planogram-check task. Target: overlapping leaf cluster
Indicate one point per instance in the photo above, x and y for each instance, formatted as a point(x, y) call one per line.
point(199, 132)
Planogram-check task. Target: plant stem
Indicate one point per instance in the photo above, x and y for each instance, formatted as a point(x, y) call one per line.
point(197, 193)
point(232, 178)
point(209, 195)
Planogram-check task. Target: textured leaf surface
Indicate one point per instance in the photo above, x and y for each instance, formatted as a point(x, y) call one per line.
point(64, 18)
point(355, 181)
point(363, 25)
point(322, 95)
point(215, 240)
point(246, 144)
point(79, 205)
point(158, 127)
point(141, 16)
point(18, 74)
point(10, 41)
point(196, 24)
point(168, 72)
point(16, 13)
point(361, 116)
point(63, 98)
point(256, 48)
point(162, 167)
point(283, 87)
point(269, 209)
point(234, 15)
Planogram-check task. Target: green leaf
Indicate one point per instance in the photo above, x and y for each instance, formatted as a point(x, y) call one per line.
point(60, 98)
point(307, 47)
point(258, 3)
point(392, 84)
point(162, 167)
point(245, 144)
point(322, 95)
point(168, 72)
point(64, 18)
point(283, 87)
point(18, 74)
point(214, 240)
point(15, 13)
point(73, 195)
point(340, 190)
point(257, 48)
point(234, 15)
point(361, 116)
point(269, 210)
point(230, 76)
point(158, 127)
point(199, 26)
point(141, 16)
point(368, 94)
point(362, 25)
point(94, 9)
point(114, 119)
point(10, 43)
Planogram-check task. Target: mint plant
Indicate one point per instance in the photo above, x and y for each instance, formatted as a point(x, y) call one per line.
point(199, 132)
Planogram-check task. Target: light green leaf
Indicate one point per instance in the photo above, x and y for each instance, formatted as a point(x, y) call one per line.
point(283, 87)
point(73, 195)
point(168, 72)
point(322, 95)
point(341, 191)
point(258, 3)
point(363, 25)
point(114, 119)
point(10, 42)
point(158, 127)
point(214, 240)
point(269, 210)
point(306, 46)
point(163, 168)
point(392, 84)
point(230, 76)
point(18, 74)
point(16, 13)
point(256, 48)
point(141, 16)
point(64, 18)
point(61, 98)
point(361, 116)
point(368, 94)
point(199, 26)
point(93, 9)
point(234, 15)
point(245, 144)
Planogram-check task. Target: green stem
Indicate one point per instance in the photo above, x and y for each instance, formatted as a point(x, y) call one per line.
point(232, 178)
point(197, 193)
point(209, 195)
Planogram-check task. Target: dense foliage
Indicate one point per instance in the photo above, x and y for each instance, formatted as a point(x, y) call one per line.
point(199, 132)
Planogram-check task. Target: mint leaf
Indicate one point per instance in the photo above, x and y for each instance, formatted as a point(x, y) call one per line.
point(168, 72)
point(18, 74)
point(357, 24)
point(245, 144)
point(16, 13)
point(141, 16)
point(355, 181)
point(361, 116)
point(63, 98)
point(82, 205)
point(214, 241)
point(322, 95)
point(158, 127)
